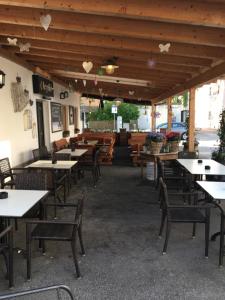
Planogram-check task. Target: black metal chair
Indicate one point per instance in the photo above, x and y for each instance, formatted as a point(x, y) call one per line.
point(60, 230)
point(41, 153)
point(6, 249)
point(92, 166)
point(183, 214)
point(6, 173)
point(31, 180)
point(59, 292)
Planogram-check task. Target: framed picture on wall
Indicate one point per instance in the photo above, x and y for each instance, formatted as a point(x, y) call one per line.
point(71, 115)
point(56, 117)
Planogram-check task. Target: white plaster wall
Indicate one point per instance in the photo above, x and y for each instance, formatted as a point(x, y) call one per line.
point(16, 143)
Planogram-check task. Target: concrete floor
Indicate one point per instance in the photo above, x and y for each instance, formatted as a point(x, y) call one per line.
point(123, 253)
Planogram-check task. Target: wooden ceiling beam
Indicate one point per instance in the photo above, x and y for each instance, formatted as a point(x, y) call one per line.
point(177, 11)
point(207, 76)
point(106, 41)
point(198, 35)
point(137, 68)
point(34, 53)
point(126, 72)
point(107, 52)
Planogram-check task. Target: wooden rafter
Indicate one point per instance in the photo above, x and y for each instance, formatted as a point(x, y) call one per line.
point(189, 11)
point(131, 30)
point(199, 35)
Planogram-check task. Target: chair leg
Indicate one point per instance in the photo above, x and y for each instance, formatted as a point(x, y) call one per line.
point(81, 239)
point(194, 230)
point(16, 224)
point(221, 241)
point(162, 223)
point(28, 251)
point(11, 271)
point(74, 251)
point(94, 177)
point(207, 225)
point(168, 227)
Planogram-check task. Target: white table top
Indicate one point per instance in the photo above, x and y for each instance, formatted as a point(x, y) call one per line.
point(196, 168)
point(19, 202)
point(47, 164)
point(214, 188)
point(76, 153)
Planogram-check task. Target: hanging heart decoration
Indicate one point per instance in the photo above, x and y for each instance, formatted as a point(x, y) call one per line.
point(84, 82)
point(12, 42)
point(131, 93)
point(24, 47)
point(100, 90)
point(165, 47)
point(45, 21)
point(87, 65)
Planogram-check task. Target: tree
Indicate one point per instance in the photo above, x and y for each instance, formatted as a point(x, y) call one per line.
point(126, 110)
point(219, 155)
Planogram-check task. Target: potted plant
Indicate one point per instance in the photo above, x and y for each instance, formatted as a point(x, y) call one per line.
point(66, 133)
point(154, 142)
point(173, 139)
point(219, 154)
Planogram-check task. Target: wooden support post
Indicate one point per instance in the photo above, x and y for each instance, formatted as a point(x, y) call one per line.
point(191, 133)
point(153, 117)
point(169, 113)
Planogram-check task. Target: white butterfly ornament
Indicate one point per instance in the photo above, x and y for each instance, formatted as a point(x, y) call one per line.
point(164, 48)
point(24, 47)
point(12, 42)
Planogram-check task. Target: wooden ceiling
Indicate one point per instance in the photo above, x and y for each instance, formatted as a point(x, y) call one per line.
point(97, 30)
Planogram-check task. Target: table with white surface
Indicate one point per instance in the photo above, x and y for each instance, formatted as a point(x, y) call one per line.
point(65, 165)
point(76, 153)
point(19, 202)
point(196, 168)
point(216, 191)
point(47, 164)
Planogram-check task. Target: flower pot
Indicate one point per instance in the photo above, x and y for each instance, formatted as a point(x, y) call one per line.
point(174, 146)
point(156, 147)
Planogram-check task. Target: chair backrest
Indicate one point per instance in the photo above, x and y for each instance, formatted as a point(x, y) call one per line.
point(5, 166)
point(164, 201)
point(187, 155)
point(79, 213)
point(31, 181)
point(62, 156)
point(36, 154)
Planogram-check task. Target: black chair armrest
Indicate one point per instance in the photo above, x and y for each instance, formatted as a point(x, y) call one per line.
point(205, 207)
point(36, 222)
point(61, 204)
point(184, 194)
point(5, 231)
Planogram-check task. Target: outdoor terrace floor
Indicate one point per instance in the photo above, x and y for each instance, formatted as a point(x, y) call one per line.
point(123, 252)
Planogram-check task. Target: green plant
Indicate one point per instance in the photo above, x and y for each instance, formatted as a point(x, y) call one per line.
point(126, 110)
point(219, 155)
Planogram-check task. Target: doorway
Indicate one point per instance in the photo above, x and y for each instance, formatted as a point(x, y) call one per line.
point(40, 124)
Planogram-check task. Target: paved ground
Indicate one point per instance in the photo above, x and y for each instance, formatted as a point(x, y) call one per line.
point(208, 142)
point(124, 259)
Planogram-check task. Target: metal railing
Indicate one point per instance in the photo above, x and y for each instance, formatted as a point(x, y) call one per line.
point(57, 288)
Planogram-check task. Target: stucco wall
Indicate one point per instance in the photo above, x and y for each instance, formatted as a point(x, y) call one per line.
point(15, 142)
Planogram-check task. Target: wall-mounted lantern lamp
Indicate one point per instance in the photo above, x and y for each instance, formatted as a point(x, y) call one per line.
point(2, 79)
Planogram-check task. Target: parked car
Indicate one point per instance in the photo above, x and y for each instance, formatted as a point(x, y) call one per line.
point(177, 127)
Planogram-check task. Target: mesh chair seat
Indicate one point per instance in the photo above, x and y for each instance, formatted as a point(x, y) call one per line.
point(53, 231)
point(186, 215)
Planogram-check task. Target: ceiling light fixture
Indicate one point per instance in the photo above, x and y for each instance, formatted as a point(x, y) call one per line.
point(110, 65)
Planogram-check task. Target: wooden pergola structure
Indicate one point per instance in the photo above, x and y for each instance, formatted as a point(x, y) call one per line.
point(131, 31)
